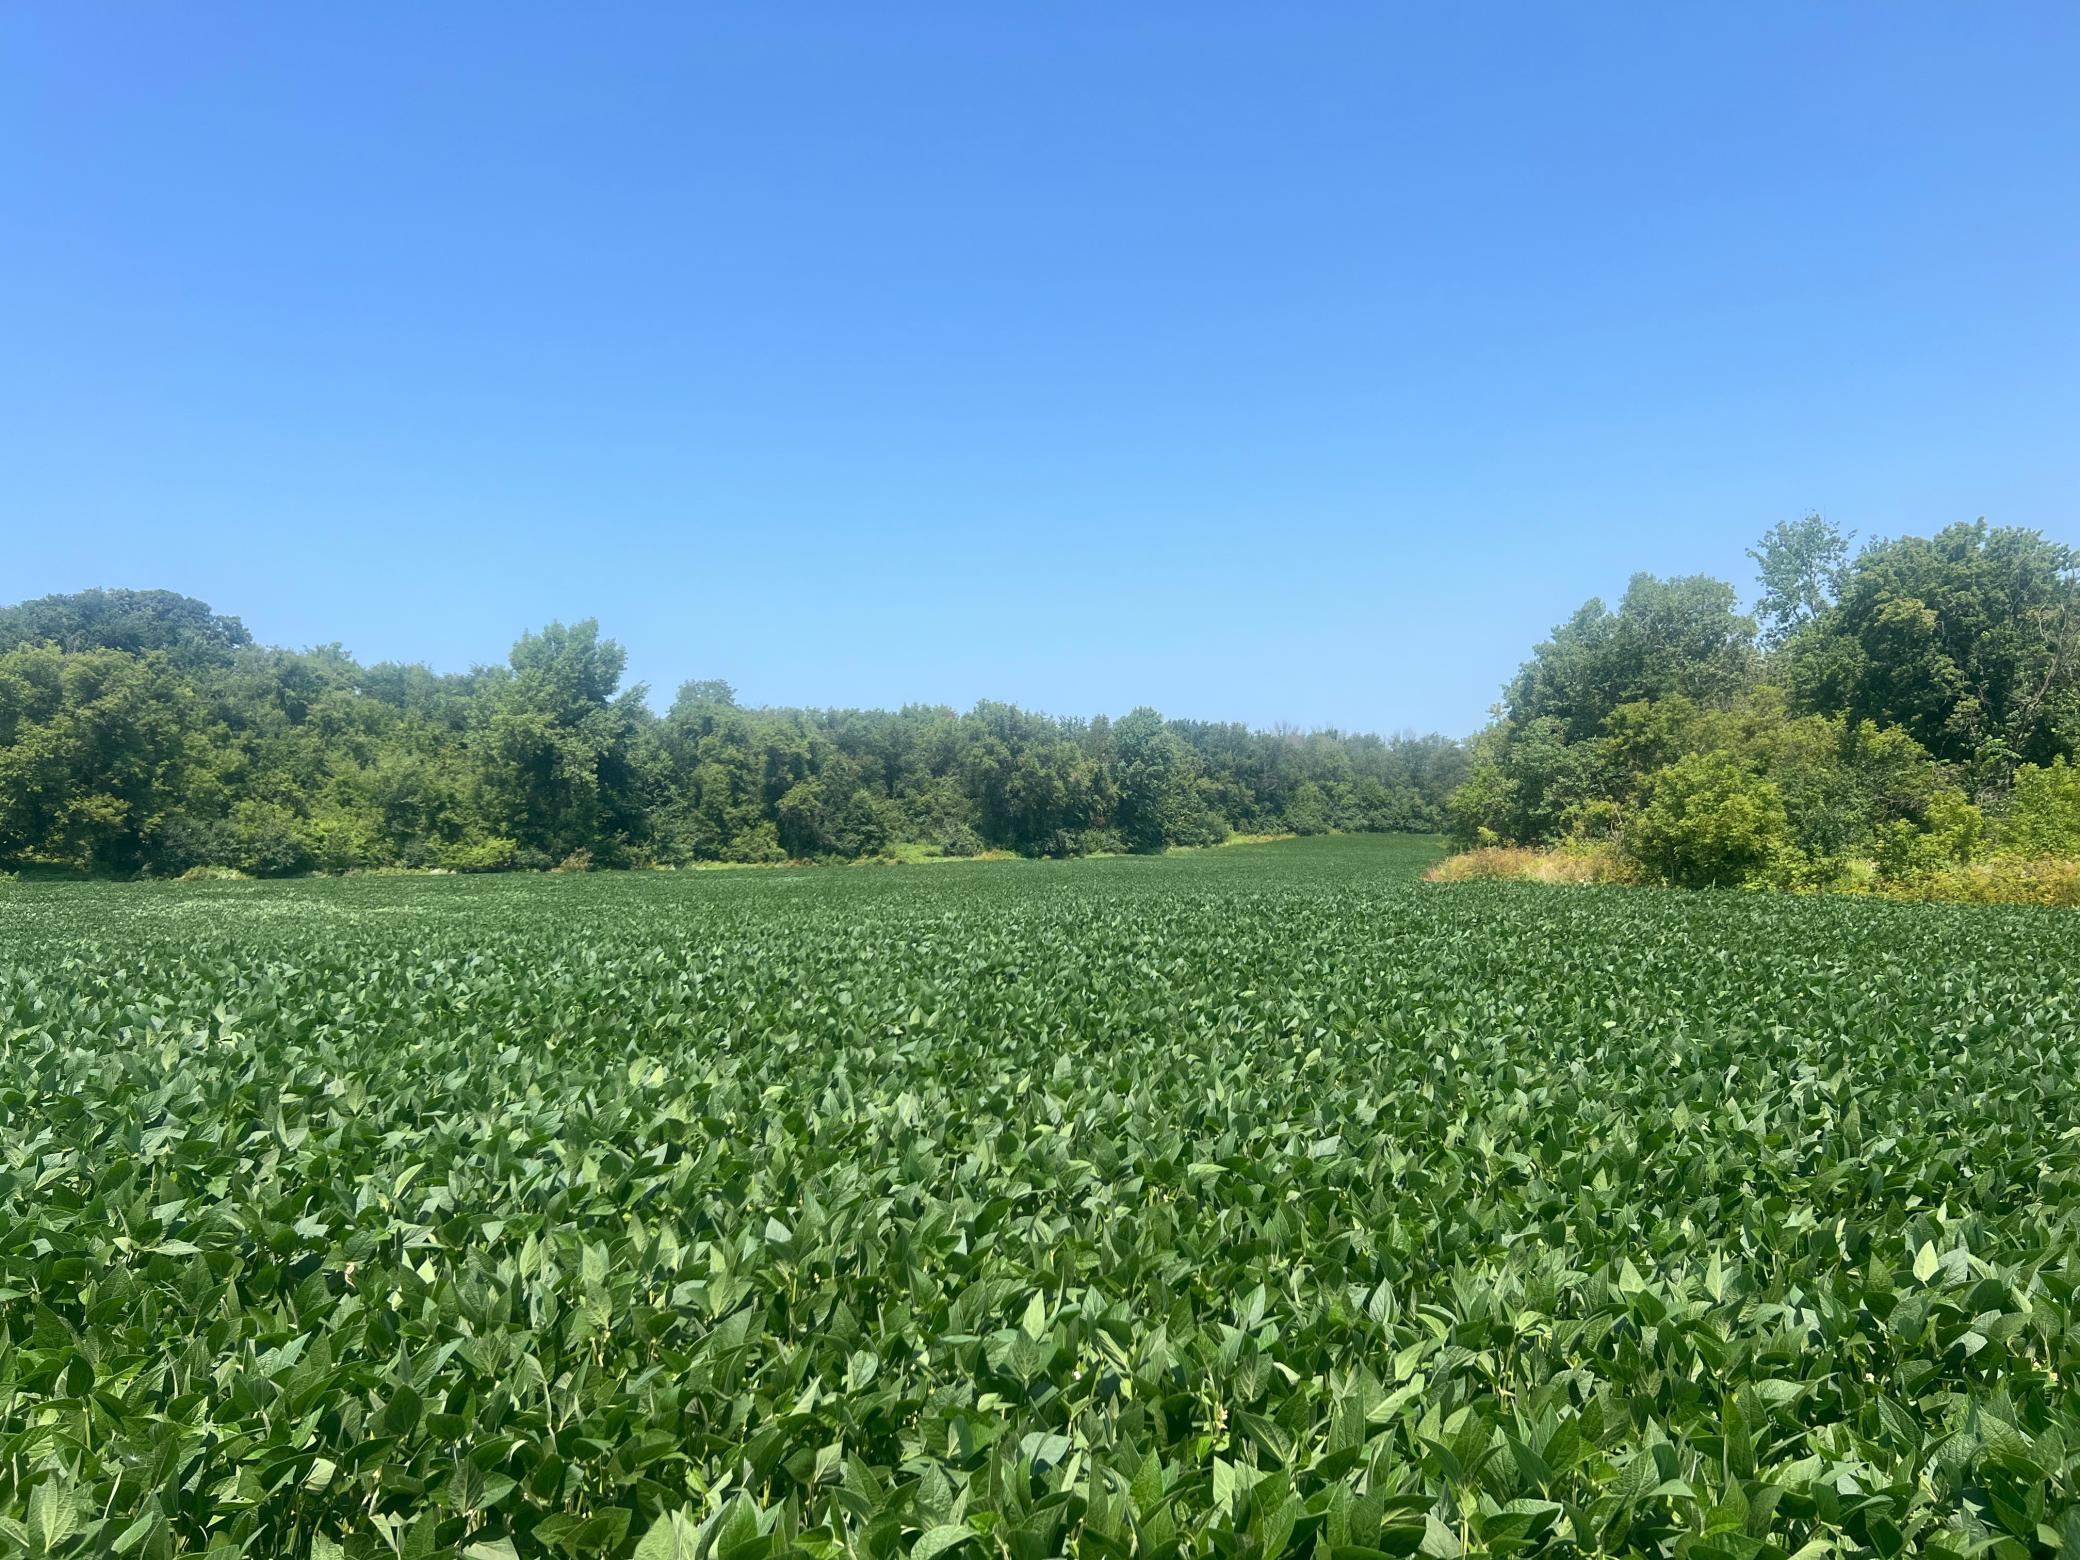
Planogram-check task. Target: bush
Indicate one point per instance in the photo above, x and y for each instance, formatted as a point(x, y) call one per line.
point(1524, 783)
point(1950, 836)
point(2044, 812)
point(1795, 871)
point(759, 843)
point(1599, 819)
point(2005, 880)
point(496, 854)
point(1191, 822)
point(259, 839)
point(957, 839)
point(1709, 822)
point(182, 841)
point(338, 839)
point(1307, 812)
point(268, 840)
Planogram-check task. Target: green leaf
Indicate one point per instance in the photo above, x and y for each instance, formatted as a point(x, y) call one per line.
point(673, 1536)
point(1439, 1541)
point(400, 1414)
point(937, 1540)
point(54, 1517)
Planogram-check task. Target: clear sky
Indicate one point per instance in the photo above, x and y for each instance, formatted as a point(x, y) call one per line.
point(1269, 363)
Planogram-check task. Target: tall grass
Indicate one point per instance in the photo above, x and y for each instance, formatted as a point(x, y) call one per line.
point(1571, 864)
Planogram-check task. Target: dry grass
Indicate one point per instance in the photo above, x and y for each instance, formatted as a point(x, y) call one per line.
point(2005, 880)
point(1233, 839)
point(1573, 865)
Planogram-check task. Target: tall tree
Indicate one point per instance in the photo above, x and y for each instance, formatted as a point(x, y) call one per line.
point(1969, 640)
point(1799, 564)
point(136, 622)
point(97, 750)
point(143, 732)
point(1678, 636)
point(559, 751)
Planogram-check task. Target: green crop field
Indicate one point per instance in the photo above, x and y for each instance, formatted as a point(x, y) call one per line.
point(1256, 1201)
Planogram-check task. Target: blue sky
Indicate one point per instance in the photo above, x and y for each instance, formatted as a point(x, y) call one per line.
point(1295, 364)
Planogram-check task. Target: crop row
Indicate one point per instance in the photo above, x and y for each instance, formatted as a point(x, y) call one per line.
point(1254, 1203)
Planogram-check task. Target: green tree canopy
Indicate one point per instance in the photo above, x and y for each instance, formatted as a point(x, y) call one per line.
point(1682, 636)
point(1969, 640)
point(135, 622)
point(560, 751)
point(1799, 565)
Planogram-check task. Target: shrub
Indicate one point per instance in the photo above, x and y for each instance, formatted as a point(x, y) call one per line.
point(1950, 836)
point(1709, 822)
point(1597, 819)
point(1795, 871)
point(2044, 812)
point(1308, 812)
point(1094, 842)
point(183, 840)
point(957, 839)
point(2004, 880)
point(1187, 820)
point(268, 840)
point(759, 843)
point(496, 854)
point(338, 839)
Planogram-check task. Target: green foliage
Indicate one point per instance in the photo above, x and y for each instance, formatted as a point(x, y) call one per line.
point(94, 745)
point(1799, 565)
point(2049, 881)
point(140, 732)
point(561, 741)
point(134, 622)
point(1159, 801)
point(480, 855)
point(1950, 835)
point(1968, 640)
point(1248, 1203)
point(1709, 822)
point(1905, 694)
point(1529, 787)
point(823, 817)
point(1682, 637)
point(2043, 817)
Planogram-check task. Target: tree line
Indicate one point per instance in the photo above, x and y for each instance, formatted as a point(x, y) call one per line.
point(1901, 711)
point(142, 732)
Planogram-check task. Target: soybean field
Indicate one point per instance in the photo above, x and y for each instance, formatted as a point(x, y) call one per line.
point(1249, 1202)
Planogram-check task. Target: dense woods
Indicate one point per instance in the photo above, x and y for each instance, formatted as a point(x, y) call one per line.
point(142, 732)
point(1894, 716)
point(1897, 713)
